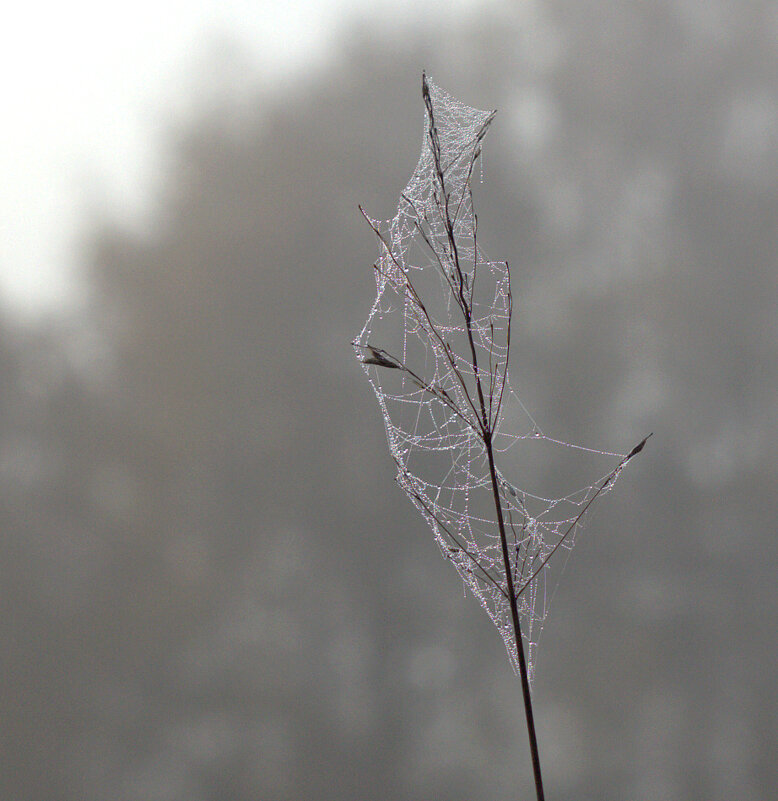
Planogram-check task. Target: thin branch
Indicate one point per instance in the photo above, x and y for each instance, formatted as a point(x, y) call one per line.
point(454, 538)
point(443, 209)
point(382, 358)
point(408, 285)
point(487, 439)
point(608, 480)
point(507, 347)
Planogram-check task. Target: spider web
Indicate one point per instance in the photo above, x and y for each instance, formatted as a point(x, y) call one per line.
point(435, 348)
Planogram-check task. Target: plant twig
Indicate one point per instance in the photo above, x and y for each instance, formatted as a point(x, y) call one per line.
point(487, 441)
point(459, 409)
point(609, 478)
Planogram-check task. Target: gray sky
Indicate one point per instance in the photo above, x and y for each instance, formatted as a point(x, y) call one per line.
point(91, 87)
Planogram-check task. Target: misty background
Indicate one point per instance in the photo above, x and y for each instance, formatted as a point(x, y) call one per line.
point(210, 586)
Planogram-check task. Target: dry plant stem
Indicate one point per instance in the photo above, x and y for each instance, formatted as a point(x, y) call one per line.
point(486, 435)
point(525, 689)
point(571, 527)
point(474, 397)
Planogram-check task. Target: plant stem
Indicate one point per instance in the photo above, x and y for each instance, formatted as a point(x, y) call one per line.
point(458, 290)
point(533, 743)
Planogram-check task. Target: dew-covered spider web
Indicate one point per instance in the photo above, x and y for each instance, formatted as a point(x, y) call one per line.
point(435, 348)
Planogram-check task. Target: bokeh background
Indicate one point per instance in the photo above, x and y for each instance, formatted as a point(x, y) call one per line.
point(210, 587)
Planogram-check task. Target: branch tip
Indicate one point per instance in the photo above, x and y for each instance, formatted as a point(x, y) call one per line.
point(639, 447)
point(376, 356)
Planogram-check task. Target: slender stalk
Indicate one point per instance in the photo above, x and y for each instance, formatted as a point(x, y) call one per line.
point(439, 220)
point(486, 436)
point(533, 742)
point(486, 432)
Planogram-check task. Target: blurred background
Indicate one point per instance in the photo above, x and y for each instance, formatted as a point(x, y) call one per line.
point(210, 586)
